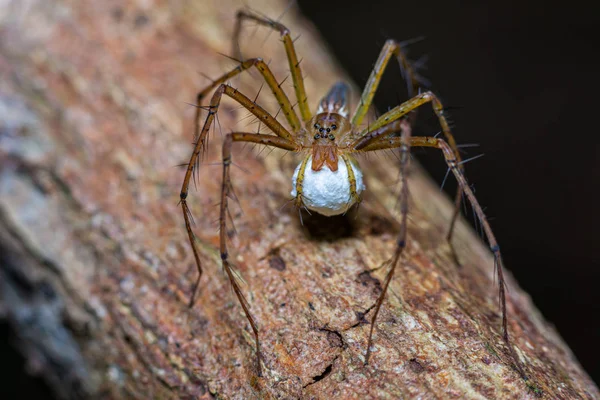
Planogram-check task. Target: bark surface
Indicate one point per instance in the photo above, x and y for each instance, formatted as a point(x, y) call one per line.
point(96, 270)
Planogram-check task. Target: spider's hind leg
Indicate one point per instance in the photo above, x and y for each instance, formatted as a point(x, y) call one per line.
point(401, 240)
point(223, 214)
point(382, 143)
point(226, 193)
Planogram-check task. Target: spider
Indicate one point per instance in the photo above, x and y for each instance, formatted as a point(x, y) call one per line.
point(328, 180)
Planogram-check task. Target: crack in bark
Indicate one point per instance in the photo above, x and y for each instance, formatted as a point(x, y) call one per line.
point(326, 372)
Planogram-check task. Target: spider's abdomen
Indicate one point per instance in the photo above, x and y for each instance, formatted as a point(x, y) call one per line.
point(325, 191)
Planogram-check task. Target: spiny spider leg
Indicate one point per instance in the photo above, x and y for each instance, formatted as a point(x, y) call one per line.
point(199, 147)
point(448, 152)
point(265, 71)
point(290, 50)
point(401, 241)
point(404, 109)
point(390, 48)
point(267, 140)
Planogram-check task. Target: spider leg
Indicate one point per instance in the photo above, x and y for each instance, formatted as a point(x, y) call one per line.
point(377, 128)
point(226, 187)
point(390, 48)
point(452, 162)
point(283, 137)
point(265, 71)
point(401, 241)
point(294, 64)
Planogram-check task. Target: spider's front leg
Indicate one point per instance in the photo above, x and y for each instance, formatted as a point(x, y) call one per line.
point(390, 48)
point(290, 50)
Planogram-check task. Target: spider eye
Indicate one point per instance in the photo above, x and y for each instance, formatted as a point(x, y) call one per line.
point(328, 130)
point(334, 127)
point(316, 126)
point(317, 136)
point(331, 137)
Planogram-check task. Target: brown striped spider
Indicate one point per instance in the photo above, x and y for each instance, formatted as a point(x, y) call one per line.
point(328, 180)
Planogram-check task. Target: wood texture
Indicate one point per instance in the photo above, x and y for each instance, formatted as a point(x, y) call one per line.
point(96, 270)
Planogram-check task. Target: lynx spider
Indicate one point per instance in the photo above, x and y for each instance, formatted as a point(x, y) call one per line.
point(328, 141)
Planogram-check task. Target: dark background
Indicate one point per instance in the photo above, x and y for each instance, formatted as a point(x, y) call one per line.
point(525, 76)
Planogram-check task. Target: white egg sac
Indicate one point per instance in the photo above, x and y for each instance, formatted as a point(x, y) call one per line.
point(328, 192)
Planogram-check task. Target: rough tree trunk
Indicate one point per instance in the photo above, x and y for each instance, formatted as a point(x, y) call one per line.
point(95, 265)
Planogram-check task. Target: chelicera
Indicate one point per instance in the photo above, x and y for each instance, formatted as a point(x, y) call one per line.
point(328, 180)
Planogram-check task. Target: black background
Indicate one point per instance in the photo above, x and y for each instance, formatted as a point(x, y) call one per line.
point(524, 75)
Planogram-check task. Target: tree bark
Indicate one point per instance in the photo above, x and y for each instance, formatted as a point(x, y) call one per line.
point(96, 270)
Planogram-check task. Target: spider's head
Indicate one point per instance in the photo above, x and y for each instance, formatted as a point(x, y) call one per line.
point(326, 127)
point(331, 121)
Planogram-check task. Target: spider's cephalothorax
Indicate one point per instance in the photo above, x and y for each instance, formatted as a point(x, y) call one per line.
point(328, 179)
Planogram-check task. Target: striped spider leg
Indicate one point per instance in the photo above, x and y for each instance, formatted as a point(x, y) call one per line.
point(283, 139)
point(379, 138)
point(201, 135)
point(394, 48)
